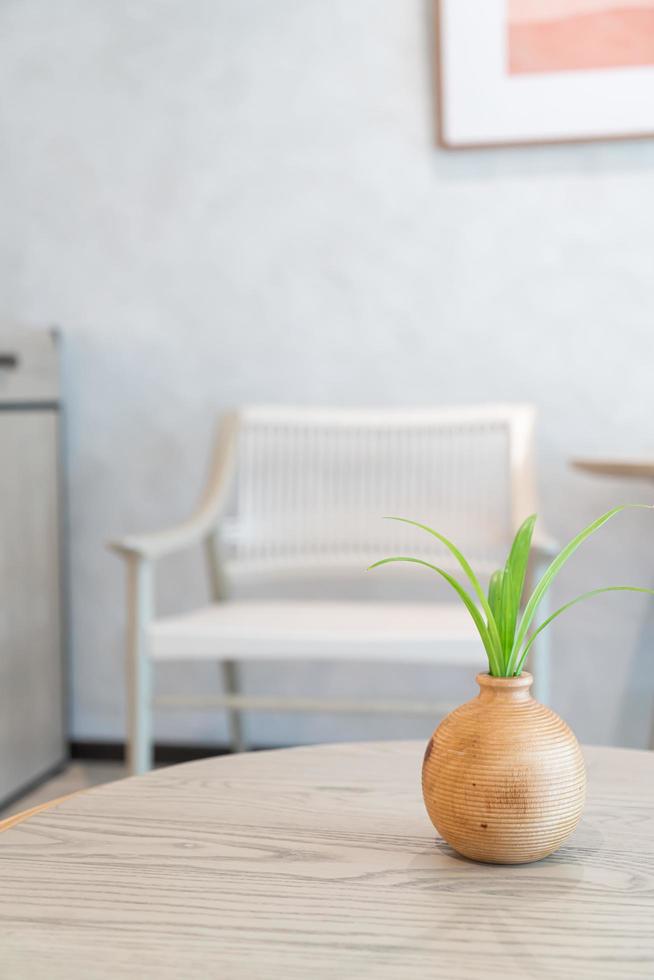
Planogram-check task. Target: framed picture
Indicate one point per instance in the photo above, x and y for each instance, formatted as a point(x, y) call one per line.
point(539, 71)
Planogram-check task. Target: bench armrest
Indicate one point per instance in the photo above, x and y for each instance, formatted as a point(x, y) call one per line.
point(156, 544)
point(205, 519)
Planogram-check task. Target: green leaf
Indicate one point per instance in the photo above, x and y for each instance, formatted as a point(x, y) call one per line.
point(495, 592)
point(472, 578)
point(573, 602)
point(465, 598)
point(498, 586)
point(516, 568)
point(550, 573)
point(508, 614)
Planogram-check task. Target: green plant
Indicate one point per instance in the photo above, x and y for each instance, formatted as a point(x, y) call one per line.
point(504, 632)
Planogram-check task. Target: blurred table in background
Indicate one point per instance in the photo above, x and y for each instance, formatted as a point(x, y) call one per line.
point(637, 468)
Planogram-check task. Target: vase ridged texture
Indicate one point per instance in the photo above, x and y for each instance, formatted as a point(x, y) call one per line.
point(503, 777)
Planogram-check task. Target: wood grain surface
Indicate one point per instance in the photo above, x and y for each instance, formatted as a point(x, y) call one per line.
point(320, 863)
point(21, 815)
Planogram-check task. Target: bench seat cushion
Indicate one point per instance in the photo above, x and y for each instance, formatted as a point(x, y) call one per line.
point(321, 630)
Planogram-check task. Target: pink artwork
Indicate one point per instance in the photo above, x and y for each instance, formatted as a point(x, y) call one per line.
point(573, 35)
point(512, 72)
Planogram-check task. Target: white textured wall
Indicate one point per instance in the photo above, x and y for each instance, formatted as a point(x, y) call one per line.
point(232, 200)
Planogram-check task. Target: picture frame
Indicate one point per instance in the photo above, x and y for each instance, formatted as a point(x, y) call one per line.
point(525, 72)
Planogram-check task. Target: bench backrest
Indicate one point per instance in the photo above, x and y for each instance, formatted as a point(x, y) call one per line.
point(311, 485)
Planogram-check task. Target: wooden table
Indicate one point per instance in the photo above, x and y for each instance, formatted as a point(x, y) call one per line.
point(639, 468)
point(320, 863)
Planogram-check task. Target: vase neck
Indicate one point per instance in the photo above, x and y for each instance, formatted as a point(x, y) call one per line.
point(505, 688)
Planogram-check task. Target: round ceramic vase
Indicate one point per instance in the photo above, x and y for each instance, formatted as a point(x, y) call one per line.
point(503, 777)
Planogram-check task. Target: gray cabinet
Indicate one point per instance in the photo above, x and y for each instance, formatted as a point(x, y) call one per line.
point(32, 717)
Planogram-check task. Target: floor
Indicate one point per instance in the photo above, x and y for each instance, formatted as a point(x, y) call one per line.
point(76, 776)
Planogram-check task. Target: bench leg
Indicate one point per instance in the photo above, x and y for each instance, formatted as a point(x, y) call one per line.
point(138, 671)
point(541, 669)
point(230, 682)
point(539, 658)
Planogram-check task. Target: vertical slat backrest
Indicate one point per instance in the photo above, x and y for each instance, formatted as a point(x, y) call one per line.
point(312, 485)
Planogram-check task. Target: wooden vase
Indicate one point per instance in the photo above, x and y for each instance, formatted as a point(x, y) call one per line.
point(503, 777)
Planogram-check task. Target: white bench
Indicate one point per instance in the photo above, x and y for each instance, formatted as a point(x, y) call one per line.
point(305, 489)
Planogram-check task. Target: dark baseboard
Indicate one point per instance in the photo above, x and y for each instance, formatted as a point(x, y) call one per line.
point(164, 753)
